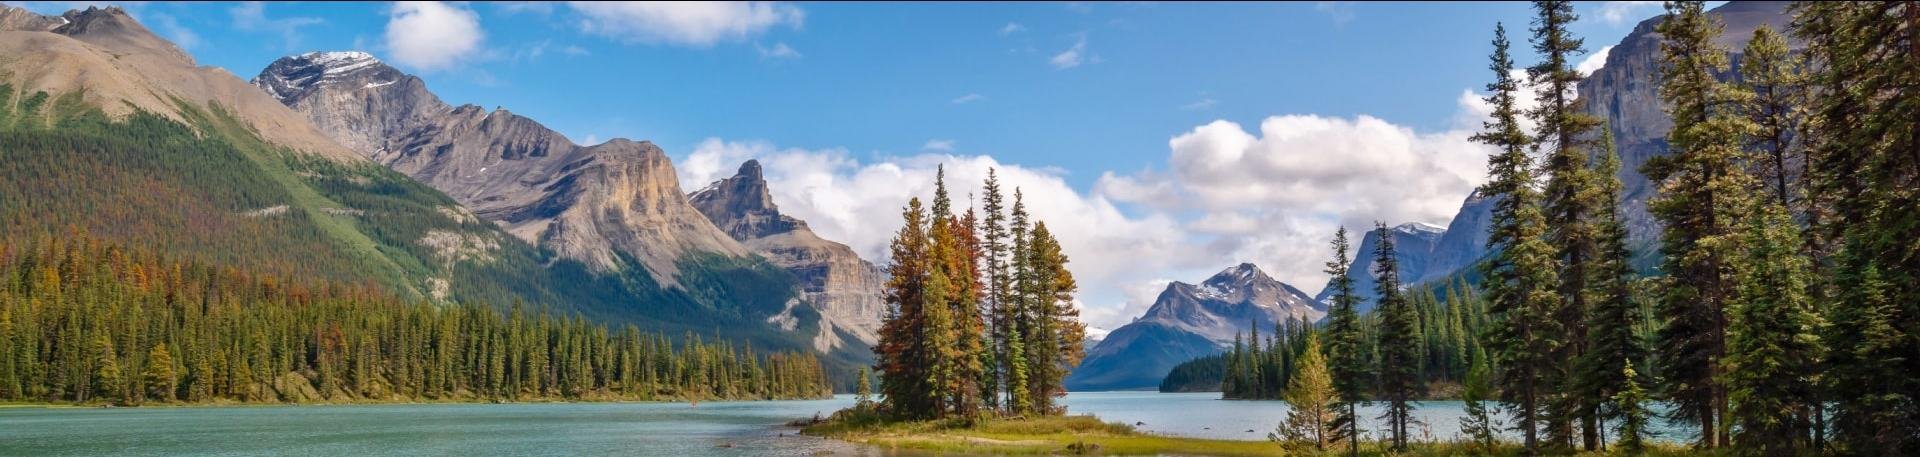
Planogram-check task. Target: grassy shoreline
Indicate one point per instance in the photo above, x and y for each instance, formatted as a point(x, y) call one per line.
point(1088, 435)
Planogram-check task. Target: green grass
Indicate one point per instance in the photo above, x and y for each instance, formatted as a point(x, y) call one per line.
point(1088, 435)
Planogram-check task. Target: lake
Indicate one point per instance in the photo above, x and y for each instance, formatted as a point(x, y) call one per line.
point(538, 429)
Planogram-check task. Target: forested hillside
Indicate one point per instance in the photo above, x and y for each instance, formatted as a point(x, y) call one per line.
point(83, 320)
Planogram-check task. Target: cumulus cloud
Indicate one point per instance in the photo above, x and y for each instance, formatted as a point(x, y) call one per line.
point(432, 36)
point(696, 24)
point(1594, 61)
point(1619, 12)
point(859, 203)
point(1012, 28)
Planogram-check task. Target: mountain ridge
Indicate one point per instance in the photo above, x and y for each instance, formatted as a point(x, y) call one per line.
point(1188, 321)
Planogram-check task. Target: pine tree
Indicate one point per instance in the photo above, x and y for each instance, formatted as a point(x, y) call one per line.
point(1020, 279)
point(1478, 423)
point(1772, 75)
point(159, 375)
point(1772, 340)
point(1399, 356)
point(108, 385)
point(1700, 188)
point(1059, 334)
point(1346, 354)
point(1630, 405)
point(996, 297)
point(1520, 276)
point(906, 374)
point(1612, 338)
point(1309, 398)
point(863, 390)
point(1569, 204)
point(1864, 161)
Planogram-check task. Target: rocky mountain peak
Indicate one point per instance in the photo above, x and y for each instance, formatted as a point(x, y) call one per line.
point(12, 18)
point(113, 28)
point(842, 287)
point(743, 206)
point(292, 79)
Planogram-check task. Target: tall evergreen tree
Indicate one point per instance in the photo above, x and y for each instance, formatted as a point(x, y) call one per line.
point(1520, 280)
point(1019, 398)
point(1346, 349)
point(1612, 338)
point(998, 283)
point(1864, 162)
point(1772, 340)
point(1059, 335)
point(906, 376)
point(1701, 185)
point(1564, 130)
point(1399, 365)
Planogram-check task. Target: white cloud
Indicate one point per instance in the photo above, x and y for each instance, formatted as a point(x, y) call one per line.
point(432, 36)
point(1012, 28)
point(778, 51)
point(1594, 61)
point(1073, 56)
point(252, 17)
point(1619, 12)
point(697, 24)
point(968, 98)
point(846, 200)
point(938, 145)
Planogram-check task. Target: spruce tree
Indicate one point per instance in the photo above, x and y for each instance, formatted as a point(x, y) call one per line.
point(1701, 185)
point(1612, 338)
point(1630, 405)
point(1864, 162)
point(1399, 354)
point(996, 296)
point(108, 385)
point(1773, 76)
point(1569, 203)
point(863, 390)
point(1021, 277)
point(906, 376)
point(1772, 340)
point(1520, 276)
point(1346, 352)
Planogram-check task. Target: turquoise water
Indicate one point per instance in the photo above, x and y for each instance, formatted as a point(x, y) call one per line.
point(541, 429)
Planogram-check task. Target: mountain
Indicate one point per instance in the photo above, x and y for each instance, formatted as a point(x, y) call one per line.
point(1189, 321)
point(1426, 253)
point(842, 287)
point(615, 207)
point(599, 204)
point(111, 62)
point(112, 134)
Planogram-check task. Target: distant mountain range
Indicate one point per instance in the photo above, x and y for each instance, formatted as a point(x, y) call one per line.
point(1189, 321)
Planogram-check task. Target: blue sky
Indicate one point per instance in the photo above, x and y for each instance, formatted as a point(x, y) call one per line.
point(1169, 140)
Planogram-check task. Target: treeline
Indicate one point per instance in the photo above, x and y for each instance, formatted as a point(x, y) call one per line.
point(91, 322)
point(1786, 303)
point(1448, 342)
point(980, 317)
